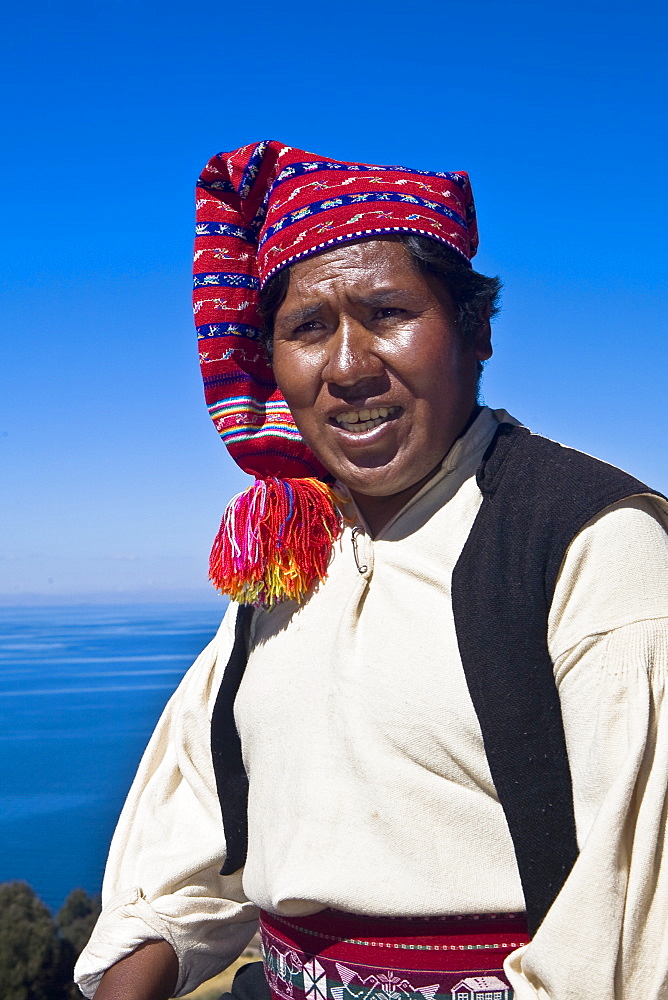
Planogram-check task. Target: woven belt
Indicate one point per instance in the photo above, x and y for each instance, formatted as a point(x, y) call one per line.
point(338, 956)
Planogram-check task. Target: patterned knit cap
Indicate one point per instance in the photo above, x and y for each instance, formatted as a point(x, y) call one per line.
point(259, 209)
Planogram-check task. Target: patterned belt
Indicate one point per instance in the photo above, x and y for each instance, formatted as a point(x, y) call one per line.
point(339, 956)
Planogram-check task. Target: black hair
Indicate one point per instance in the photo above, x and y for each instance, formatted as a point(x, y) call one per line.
point(472, 293)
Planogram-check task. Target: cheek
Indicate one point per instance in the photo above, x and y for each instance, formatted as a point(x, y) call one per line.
point(443, 383)
point(297, 375)
point(432, 366)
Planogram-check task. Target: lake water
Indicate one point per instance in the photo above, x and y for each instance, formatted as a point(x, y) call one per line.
point(81, 689)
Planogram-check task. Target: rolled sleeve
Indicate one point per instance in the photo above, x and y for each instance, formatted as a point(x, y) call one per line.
point(162, 879)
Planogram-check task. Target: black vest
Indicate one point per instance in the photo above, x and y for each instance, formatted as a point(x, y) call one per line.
point(537, 496)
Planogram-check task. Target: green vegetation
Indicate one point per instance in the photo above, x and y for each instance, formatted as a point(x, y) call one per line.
point(38, 952)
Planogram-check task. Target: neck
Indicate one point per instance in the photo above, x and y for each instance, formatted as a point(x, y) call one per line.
point(379, 511)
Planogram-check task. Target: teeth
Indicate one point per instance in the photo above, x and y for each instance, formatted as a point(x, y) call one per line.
point(363, 425)
point(359, 421)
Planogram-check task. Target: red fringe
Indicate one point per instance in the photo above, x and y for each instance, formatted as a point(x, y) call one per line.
point(275, 541)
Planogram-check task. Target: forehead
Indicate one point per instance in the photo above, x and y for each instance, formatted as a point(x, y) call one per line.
point(371, 261)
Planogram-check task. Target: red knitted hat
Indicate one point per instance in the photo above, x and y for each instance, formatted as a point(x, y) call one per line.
point(261, 208)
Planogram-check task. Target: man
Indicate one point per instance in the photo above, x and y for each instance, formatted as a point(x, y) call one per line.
point(439, 703)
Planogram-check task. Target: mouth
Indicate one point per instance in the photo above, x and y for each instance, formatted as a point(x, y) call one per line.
point(360, 421)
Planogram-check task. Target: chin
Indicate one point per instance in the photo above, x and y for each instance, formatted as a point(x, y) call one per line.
point(380, 485)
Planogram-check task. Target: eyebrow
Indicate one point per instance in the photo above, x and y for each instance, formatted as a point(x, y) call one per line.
point(374, 300)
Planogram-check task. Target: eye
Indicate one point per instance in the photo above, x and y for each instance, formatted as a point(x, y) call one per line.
point(389, 312)
point(308, 330)
point(308, 327)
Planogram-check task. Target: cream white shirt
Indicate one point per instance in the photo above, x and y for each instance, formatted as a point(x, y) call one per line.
point(369, 787)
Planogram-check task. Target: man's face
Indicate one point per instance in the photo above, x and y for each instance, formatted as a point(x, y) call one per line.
point(369, 359)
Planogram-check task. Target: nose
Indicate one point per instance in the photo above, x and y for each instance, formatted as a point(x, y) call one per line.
point(352, 356)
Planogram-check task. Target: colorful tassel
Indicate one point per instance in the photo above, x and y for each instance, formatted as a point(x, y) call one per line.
point(275, 541)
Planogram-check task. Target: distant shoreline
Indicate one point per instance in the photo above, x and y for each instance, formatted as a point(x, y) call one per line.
point(203, 599)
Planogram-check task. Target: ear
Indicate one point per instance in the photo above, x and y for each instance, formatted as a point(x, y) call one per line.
point(482, 343)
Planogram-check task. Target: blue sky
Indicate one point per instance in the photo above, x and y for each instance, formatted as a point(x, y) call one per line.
point(113, 478)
